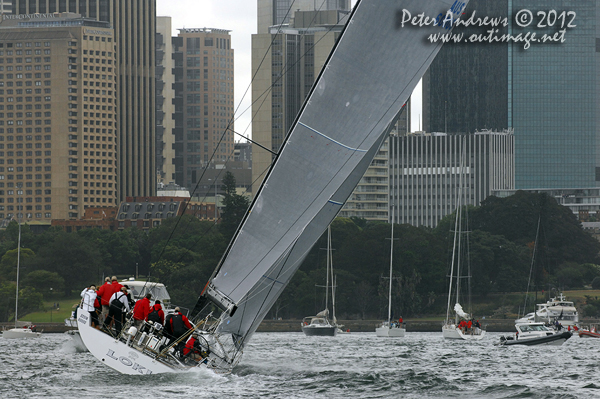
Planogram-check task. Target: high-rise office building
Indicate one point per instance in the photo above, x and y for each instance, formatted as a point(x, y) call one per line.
point(6, 6)
point(204, 88)
point(555, 98)
point(428, 172)
point(481, 70)
point(547, 93)
point(370, 198)
point(58, 140)
point(286, 60)
point(277, 12)
point(165, 104)
point(134, 23)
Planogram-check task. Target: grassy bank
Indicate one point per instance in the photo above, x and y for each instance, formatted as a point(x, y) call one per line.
point(52, 314)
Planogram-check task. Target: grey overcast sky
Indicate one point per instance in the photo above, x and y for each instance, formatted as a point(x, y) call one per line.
point(238, 16)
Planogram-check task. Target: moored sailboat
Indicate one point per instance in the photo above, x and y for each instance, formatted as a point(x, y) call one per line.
point(371, 72)
point(389, 328)
point(320, 324)
point(24, 331)
point(462, 325)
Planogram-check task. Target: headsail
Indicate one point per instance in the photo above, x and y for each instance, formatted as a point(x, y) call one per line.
point(369, 76)
point(460, 312)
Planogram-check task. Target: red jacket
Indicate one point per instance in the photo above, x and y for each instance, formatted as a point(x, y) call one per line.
point(141, 309)
point(189, 346)
point(116, 287)
point(105, 292)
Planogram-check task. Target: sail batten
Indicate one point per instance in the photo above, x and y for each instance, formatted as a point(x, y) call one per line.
point(365, 83)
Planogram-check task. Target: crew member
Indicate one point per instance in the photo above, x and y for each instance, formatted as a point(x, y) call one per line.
point(156, 313)
point(119, 305)
point(177, 324)
point(105, 292)
point(89, 297)
point(141, 310)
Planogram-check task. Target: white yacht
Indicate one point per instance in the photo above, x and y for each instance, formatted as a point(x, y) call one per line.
point(557, 308)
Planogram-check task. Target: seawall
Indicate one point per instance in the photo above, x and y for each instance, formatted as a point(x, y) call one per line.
point(411, 325)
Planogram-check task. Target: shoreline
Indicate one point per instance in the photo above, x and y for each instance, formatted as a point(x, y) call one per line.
point(411, 325)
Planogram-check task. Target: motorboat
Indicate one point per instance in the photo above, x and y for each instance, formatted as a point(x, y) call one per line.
point(535, 333)
point(555, 309)
point(591, 333)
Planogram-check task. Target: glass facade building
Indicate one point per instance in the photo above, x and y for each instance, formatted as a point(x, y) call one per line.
point(547, 93)
point(553, 104)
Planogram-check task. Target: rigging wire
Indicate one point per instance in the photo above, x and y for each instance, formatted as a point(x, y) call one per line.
point(228, 128)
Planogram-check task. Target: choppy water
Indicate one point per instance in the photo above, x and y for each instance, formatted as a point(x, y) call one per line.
point(290, 365)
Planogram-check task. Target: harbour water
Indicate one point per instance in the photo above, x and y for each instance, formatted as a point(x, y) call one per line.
point(291, 365)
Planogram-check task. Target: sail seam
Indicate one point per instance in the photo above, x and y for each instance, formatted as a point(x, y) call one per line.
point(330, 139)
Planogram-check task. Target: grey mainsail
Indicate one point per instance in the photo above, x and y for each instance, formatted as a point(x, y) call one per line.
point(369, 76)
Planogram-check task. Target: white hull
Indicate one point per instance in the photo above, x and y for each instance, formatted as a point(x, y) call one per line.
point(385, 331)
point(117, 354)
point(450, 331)
point(20, 333)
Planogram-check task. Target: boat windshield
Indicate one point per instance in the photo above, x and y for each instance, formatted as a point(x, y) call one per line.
point(534, 327)
point(158, 291)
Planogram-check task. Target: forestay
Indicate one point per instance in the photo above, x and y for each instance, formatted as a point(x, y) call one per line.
point(369, 76)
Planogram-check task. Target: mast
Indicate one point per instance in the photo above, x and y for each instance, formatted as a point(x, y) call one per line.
point(531, 271)
point(18, 264)
point(460, 229)
point(333, 279)
point(391, 257)
point(328, 266)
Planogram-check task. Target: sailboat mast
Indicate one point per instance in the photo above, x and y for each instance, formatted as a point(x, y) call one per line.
point(333, 284)
point(459, 214)
point(391, 257)
point(327, 273)
point(537, 232)
point(18, 265)
point(459, 247)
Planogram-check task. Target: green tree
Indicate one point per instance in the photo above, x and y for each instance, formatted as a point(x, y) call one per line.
point(8, 263)
point(29, 301)
point(43, 281)
point(235, 206)
point(72, 257)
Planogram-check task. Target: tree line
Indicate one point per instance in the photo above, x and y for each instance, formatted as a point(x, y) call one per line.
point(183, 252)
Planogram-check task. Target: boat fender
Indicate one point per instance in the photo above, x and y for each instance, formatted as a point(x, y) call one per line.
point(132, 331)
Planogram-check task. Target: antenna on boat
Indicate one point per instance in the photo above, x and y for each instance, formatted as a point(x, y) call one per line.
point(535, 244)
